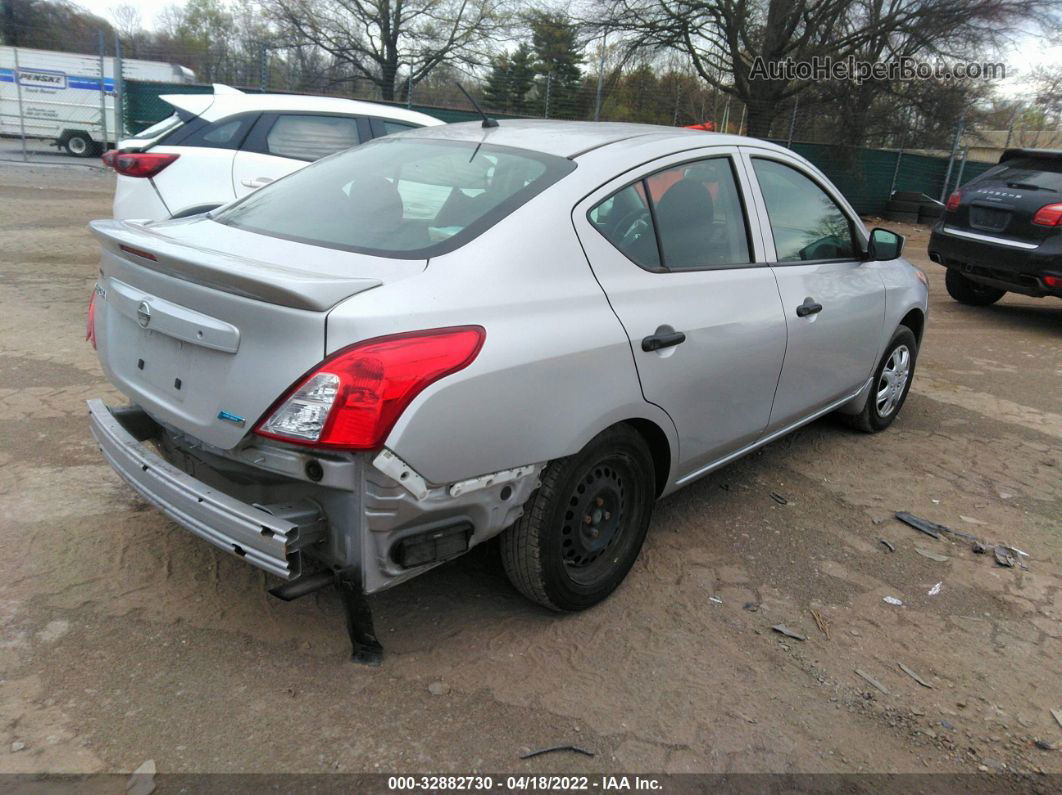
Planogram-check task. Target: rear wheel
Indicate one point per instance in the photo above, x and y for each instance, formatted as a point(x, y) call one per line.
point(583, 528)
point(967, 291)
point(892, 382)
point(79, 144)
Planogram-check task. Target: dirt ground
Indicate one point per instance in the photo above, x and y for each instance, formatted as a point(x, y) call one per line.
point(124, 638)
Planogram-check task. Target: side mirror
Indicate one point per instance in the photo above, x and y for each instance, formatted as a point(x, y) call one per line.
point(883, 245)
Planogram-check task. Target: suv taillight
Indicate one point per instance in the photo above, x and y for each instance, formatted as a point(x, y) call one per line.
point(1049, 215)
point(108, 157)
point(353, 399)
point(953, 202)
point(90, 324)
point(141, 164)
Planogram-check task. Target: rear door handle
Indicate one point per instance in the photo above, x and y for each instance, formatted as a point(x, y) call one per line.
point(809, 307)
point(257, 182)
point(655, 342)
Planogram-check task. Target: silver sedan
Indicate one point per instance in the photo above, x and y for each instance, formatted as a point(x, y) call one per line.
point(534, 330)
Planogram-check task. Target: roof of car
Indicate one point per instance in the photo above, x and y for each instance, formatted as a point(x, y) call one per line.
point(570, 138)
point(226, 101)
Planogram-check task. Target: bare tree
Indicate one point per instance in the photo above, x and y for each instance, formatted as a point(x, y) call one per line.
point(378, 38)
point(731, 42)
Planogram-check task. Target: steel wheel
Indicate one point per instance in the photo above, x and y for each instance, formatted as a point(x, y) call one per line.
point(893, 380)
point(76, 145)
point(583, 527)
point(595, 519)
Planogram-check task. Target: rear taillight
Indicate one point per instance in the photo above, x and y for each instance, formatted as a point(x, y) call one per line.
point(90, 325)
point(141, 164)
point(953, 202)
point(353, 398)
point(1052, 281)
point(108, 157)
point(1049, 215)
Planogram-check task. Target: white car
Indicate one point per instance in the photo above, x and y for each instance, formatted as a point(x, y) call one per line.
point(218, 147)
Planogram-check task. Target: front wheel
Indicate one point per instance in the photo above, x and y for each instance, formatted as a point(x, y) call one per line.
point(891, 383)
point(583, 528)
point(967, 291)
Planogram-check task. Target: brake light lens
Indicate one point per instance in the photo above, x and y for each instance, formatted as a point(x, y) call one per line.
point(1053, 281)
point(141, 164)
point(353, 399)
point(953, 202)
point(1049, 215)
point(108, 157)
point(90, 325)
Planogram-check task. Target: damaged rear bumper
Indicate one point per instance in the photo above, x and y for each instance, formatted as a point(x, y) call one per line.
point(369, 514)
point(269, 536)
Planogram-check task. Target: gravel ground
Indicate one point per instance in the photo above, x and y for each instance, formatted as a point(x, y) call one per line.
point(123, 638)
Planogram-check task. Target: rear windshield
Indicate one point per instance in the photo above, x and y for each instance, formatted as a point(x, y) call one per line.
point(1044, 173)
point(399, 197)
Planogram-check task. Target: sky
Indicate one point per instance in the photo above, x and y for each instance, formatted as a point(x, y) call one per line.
point(1028, 52)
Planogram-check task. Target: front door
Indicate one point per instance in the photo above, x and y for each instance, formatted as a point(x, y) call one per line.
point(676, 256)
point(834, 302)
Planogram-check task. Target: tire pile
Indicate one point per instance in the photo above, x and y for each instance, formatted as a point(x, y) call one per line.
point(910, 207)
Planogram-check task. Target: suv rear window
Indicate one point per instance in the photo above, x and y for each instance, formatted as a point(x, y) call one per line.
point(1043, 172)
point(399, 197)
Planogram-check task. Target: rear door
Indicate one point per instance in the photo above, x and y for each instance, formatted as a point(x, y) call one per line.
point(285, 142)
point(683, 270)
point(834, 302)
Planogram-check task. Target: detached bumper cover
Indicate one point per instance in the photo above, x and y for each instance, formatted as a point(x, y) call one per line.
point(256, 534)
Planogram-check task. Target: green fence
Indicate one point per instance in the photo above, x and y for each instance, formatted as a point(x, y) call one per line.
point(866, 177)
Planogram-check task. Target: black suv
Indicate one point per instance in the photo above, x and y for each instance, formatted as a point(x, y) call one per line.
point(1002, 232)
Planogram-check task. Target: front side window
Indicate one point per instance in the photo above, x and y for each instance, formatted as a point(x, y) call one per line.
point(306, 137)
point(806, 223)
point(399, 196)
point(688, 217)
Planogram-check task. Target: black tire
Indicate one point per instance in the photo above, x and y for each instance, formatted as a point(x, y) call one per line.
point(899, 206)
point(80, 144)
point(909, 196)
point(966, 291)
point(552, 555)
point(872, 418)
point(931, 212)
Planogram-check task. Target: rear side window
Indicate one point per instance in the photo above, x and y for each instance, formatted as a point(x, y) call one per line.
point(222, 134)
point(806, 223)
point(688, 217)
point(391, 127)
point(307, 137)
point(399, 197)
point(1044, 173)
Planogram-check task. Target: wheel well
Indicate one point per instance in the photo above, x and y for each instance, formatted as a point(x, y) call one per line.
point(659, 448)
point(916, 321)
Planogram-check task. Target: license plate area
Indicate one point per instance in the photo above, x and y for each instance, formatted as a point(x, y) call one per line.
point(990, 219)
point(164, 364)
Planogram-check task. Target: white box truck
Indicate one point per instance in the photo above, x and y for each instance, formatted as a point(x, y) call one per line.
point(57, 95)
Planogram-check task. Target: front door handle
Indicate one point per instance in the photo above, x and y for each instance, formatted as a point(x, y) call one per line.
point(655, 342)
point(257, 182)
point(809, 307)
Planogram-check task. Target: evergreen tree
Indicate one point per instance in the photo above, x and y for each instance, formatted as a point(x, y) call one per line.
point(554, 39)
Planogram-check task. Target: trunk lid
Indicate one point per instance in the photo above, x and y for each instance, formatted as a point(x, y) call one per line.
point(205, 326)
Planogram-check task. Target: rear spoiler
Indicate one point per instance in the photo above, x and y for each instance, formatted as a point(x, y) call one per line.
point(229, 273)
point(1047, 154)
point(198, 104)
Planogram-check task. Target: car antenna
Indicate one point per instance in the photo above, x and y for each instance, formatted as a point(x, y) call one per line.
point(487, 121)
